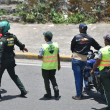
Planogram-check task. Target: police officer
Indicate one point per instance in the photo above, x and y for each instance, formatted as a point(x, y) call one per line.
point(7, 61)
point(103, 62)
point(51, 61)
point(80, 46)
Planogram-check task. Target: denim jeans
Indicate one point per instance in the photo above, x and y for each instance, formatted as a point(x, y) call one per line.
point(78, 66)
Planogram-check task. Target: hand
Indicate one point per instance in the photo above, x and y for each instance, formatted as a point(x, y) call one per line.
point(59, 67)
point(25, 49)
point(91, 72)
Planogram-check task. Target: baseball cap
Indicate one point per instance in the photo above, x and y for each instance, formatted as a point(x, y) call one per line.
point(48, 35)
point(107, 37)
point(83, 26)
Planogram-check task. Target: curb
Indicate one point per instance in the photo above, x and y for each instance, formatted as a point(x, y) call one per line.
point(35, 56)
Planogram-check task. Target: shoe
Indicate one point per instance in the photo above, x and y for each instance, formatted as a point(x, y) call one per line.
point(56, 93)
point(0, 96)
point(107, 108)
point(82, 94)
point(23, 93)
point(47, 96)
point(76, 98)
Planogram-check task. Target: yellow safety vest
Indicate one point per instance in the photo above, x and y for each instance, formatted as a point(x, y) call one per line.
point(50, 59)
point(105, 61)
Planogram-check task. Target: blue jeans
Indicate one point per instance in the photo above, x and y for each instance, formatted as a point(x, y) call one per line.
point(78, 66)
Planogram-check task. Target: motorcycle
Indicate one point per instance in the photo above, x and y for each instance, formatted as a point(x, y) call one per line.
point(92, 81)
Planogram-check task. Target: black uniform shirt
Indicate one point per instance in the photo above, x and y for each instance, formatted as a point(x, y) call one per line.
point(3, 45)
point(82, 42)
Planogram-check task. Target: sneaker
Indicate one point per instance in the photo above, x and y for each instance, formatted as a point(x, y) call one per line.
point(23, 93)
point(76, 98)
point(47, 96)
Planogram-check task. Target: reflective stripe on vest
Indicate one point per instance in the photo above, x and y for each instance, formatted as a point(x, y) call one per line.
point(105, 61)
point(50, 59)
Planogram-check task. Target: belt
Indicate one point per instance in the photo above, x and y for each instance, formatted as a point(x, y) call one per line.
point(106, 68)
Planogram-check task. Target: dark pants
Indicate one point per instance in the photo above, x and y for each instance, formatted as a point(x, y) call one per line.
point(10, 65)
point(105, 80)
point(49, 75)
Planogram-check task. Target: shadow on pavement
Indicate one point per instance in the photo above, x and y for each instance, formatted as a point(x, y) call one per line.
point(53, 98)
point(99, 109)
point(9, 97)
point(94, 96)
point(3, 91)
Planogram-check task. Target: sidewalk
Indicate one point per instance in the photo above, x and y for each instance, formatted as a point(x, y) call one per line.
point(32, 36)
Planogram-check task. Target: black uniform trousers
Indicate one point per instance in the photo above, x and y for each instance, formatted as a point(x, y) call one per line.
point(9, 64)
point(49, 75)
point(105, 80)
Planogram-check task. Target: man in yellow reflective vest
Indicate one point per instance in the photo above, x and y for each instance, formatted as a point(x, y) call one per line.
point(103, 61)
point(49, 52)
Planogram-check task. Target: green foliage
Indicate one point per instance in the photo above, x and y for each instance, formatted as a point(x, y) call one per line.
point(30, 18)
point(57, 18)
point(3, 12)
point(15, 14)
point(76, 18)
point(91, 20)
point(35, 11)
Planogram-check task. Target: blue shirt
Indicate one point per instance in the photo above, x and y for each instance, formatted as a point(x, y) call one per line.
point(41, 51)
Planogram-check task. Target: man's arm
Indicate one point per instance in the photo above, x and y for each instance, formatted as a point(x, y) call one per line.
point(20, 45)
point(95, 65)
point(95, 44)
point(73, 43)
point(41, 52)
point(2, 47)
point(58, 62)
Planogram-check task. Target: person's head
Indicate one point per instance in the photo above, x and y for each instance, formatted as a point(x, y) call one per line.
point(107, 39)
point(4, 27)
point(48, 36)
point(82, 28)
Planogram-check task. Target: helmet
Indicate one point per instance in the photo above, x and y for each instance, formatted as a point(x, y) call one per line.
point(5, 26)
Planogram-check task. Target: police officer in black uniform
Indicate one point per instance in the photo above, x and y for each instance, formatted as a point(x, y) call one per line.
point(7, 61)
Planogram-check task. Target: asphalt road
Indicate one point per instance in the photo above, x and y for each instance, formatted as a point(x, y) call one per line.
point(29, 71)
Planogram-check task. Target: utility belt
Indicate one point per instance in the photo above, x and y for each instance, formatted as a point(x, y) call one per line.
point(106, 68)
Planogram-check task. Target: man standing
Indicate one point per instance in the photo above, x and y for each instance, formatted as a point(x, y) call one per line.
point(103, 62)
point(51, 61)
point(80, 46)
point(7, 61)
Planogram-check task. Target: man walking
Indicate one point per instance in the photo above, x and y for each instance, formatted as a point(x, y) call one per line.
point(80, 46)
point(7, 61)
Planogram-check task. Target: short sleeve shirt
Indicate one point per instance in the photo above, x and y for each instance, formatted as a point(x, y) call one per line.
point(41, 51)
point(99, 56)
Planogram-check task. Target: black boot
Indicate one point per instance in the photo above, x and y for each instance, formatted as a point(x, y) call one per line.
point(56, 92)
point(47, 96)
point(23, 93)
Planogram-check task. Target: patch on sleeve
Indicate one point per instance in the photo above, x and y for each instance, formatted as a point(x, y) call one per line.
point(1, 43)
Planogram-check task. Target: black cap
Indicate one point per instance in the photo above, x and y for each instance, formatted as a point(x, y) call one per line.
point(107, 37)
point(83, 26)
point(48, 35)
